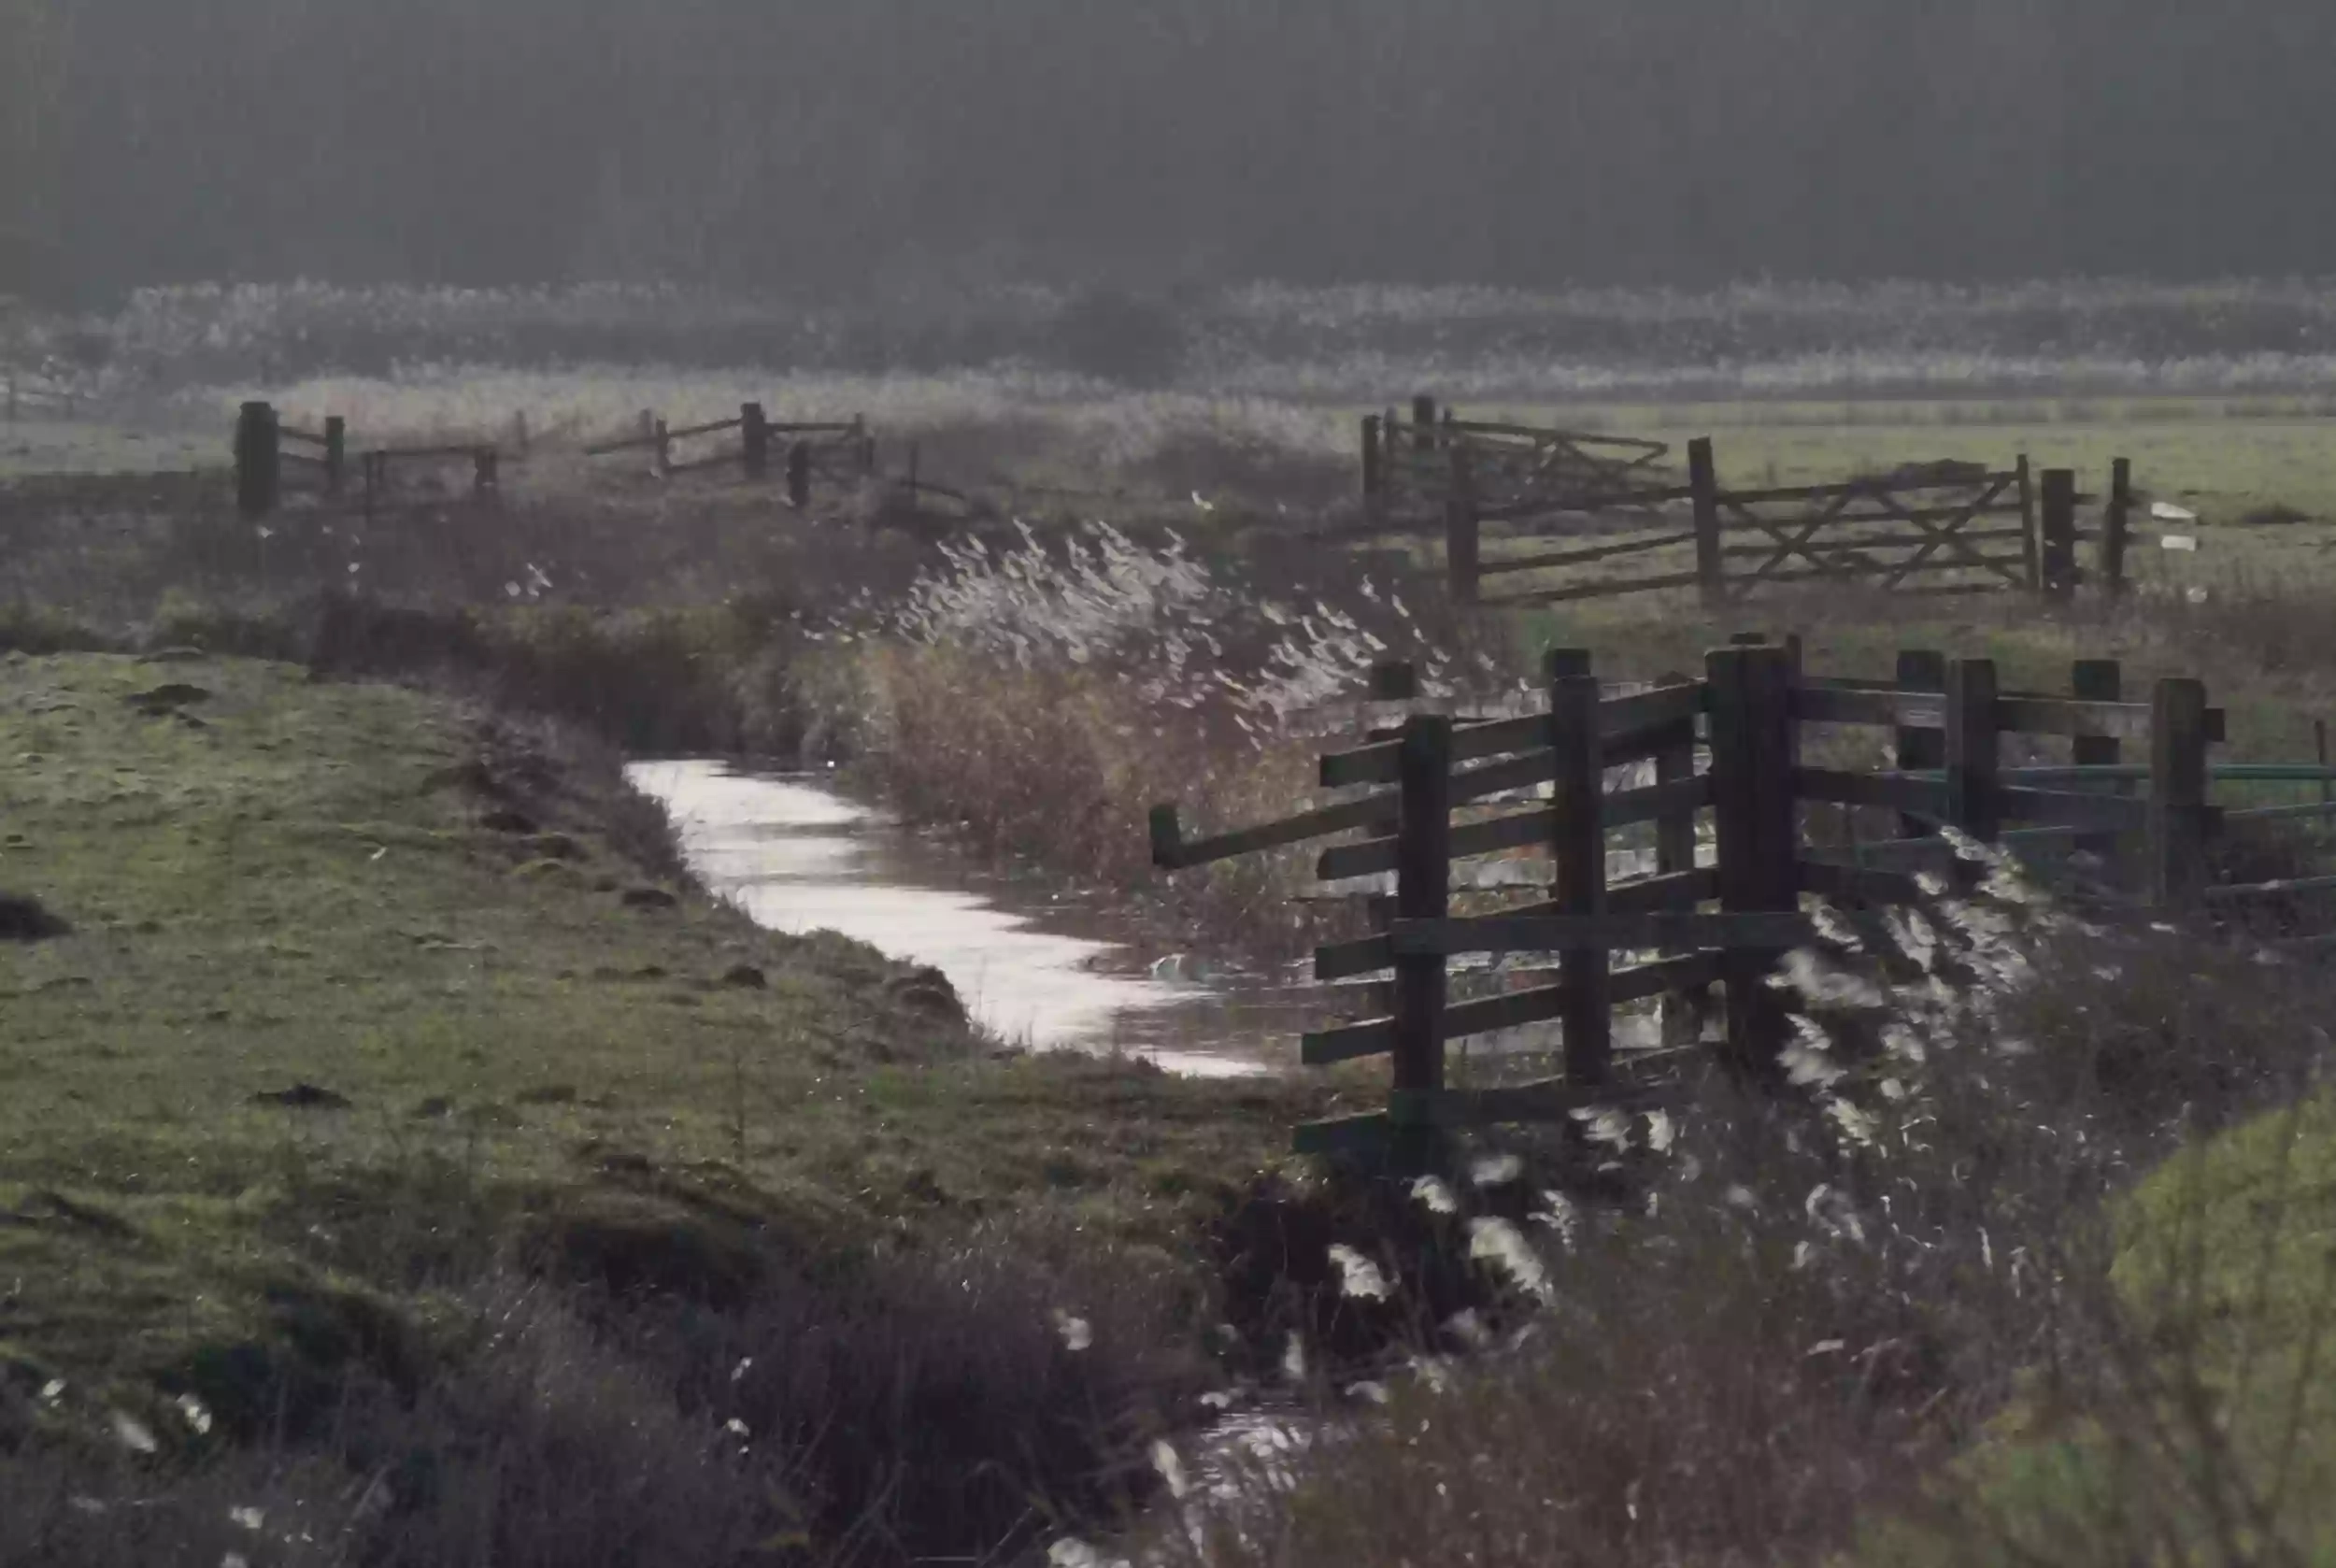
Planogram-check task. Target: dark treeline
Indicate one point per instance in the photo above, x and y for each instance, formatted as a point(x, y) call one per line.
point(819, 145)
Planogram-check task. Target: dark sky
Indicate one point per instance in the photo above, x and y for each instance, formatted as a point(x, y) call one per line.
point(823, 145)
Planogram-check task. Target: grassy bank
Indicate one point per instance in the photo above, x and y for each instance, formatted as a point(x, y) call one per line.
point(355, 1013)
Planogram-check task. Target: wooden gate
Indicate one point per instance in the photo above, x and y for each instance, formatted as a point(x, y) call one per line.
point(1883, 529)
point(1407, 466)
point(1922, 529)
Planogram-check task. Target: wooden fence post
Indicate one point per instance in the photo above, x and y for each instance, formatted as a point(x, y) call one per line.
point(1920, 748)
point(1423, 874)
point(754, 437)
point(1423, 423)
point(2098, 680)
point(863, 446)
point(799, 474)
point(1751, 739)
point(486, 476)
point(2059, 534)
point(1974, 752)
point(1371, 502)
point(2030, 549)
point(1461, 536)
point(1682, 1011)
point(1710, 565)
point(259, 473)
point(2115, 521)
point(2177, 793)
point(664, 450)
point(336, 453)
point(1578, 845)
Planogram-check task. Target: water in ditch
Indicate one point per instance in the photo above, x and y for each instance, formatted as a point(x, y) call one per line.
point(1034, 967)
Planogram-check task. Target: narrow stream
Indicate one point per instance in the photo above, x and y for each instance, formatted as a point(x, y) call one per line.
point(1033, 968)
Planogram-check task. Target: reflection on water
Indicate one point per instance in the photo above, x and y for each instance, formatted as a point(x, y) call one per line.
point(796, 856)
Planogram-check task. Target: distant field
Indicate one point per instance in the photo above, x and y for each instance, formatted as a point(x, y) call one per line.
point(2260, 476)
point(2094, 338)
point(2222, 458)
point(2219, 458)
point(106, 446)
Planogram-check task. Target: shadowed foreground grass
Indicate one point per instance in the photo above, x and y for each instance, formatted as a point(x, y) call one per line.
point(371, 1007)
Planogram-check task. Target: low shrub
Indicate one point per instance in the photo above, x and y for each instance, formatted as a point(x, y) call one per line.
point(963, 1401)
point(1774, 1342)
point(1043, 696)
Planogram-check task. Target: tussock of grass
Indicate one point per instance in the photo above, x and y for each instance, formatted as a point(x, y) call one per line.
point(912, 1407)
point(1042, 697)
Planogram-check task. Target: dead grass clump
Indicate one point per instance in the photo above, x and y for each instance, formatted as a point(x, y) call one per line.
point(963, 1402)
point(37, 629)
point(2262, 626)
point(1041, 694)
point(970, 1399)
point(542, 1450)
point(2276, 514)
point(1061, 766)
point(1285, 1255)
point(668, 682)
point(187, 620)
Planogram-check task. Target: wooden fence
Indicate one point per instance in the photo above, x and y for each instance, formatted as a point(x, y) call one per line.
point(1923, 529)
point(842, 452)
point(1407, 467)
point(1719, 795)
point(273, 459)
point(268, 452)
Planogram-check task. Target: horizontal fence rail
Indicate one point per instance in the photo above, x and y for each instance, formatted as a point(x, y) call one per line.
point(1407, 466)
point(1600, 516)
point(1712, 769)
point(841, 450)
point(266, 448)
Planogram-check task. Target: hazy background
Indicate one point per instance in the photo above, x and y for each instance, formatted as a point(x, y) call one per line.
point(831, 147)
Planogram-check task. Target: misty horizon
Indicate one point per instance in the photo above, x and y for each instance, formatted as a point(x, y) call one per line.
point(886, 147)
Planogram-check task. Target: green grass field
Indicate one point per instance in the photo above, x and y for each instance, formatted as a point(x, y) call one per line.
point(2226, 464)
point(438, 924)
